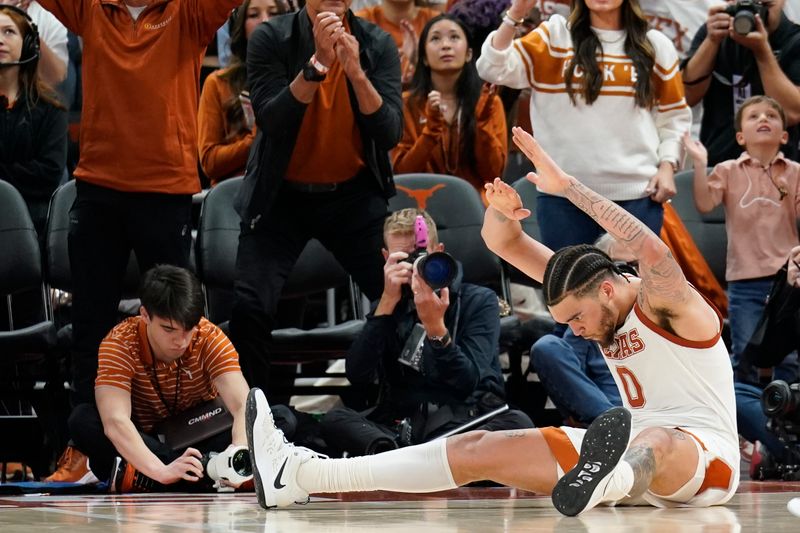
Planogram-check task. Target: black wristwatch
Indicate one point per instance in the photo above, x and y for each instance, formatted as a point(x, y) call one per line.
point(314, 70)
point(439, 341)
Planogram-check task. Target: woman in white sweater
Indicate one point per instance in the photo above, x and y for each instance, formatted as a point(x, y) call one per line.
point(606, 103)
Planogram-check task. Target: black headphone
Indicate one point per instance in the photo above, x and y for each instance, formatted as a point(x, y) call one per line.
point(30, 43)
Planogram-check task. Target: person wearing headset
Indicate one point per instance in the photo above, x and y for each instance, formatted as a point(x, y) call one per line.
point(53, 53)
point(33, 128)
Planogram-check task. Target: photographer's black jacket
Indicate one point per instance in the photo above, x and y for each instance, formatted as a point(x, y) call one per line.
point(735, 63)
point(459, 373)
point(276, 53)
point(33, 152)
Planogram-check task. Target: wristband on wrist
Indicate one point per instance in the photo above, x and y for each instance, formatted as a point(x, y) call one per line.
point(511, 21)
point(317, 65)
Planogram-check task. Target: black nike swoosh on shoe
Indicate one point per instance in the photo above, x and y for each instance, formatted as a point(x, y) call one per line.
point(278, 484)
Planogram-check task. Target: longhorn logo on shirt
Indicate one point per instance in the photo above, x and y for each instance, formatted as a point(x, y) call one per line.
point(626, 344)
point(421, 196)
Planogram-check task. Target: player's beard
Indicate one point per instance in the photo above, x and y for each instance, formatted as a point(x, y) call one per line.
point(608, 326)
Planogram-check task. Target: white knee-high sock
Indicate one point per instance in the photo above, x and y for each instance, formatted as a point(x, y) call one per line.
point(422, 468)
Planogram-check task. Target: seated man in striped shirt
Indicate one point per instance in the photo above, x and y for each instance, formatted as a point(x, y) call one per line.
point(151, 367)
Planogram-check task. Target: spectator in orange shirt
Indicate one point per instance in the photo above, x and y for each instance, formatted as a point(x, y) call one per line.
point(225, 121)
point(138, 162)
point(403, 20)
point(153, 366)
point(451, 125)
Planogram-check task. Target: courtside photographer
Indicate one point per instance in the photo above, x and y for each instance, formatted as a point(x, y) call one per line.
point(772, 349)
point(431, 345)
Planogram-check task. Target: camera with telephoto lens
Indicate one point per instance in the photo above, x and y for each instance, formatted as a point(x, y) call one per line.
point(437, 269)
point(744, 15)
point(781, 403)
point(232, 465)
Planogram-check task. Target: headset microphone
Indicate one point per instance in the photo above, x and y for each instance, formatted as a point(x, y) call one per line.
point(30, 43)
point(17, 63)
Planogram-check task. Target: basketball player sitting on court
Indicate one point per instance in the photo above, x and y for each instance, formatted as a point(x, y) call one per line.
point(675, 441)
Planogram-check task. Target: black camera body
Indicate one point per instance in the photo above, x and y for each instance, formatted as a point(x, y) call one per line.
point(744, 15)
point(781, 403)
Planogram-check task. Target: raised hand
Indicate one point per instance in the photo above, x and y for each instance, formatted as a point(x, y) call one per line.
point(396, 273)
point(503, 198)
point(408, 50)
point(430, 306)
point(328, 28)
point(347, 51)
point(434, 111)
point(520, 8)
point(695, 149)
point(718, 23)
point(548, 176)
point(483, 109)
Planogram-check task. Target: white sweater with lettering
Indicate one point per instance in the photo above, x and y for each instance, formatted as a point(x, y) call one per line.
point(613, 146)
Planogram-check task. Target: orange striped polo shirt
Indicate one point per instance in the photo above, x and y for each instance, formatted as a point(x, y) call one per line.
point(125, 361)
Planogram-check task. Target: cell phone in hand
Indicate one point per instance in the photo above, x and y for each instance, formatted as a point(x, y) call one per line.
point(247, 108)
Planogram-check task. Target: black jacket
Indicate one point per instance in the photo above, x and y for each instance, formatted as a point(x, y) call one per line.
point(276, 53)
point(460, 373)
point(33, 152)
point(735, 63)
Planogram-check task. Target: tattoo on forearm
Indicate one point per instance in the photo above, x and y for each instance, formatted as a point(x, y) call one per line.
point(618, 222)
point(515, 434)
point(643, 463)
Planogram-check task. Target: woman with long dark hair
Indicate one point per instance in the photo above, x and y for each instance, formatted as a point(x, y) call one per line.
point(33, 124)
point(606, 102)
point(225, 123)
point(452, 125)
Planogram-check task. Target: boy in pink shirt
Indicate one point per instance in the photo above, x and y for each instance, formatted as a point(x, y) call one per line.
point(759, 191)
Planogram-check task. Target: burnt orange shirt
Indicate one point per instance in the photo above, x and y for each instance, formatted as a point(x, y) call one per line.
point(223, 153)
point(329, 148)
point(125, 361)
point(140, 89)
point(423, 150)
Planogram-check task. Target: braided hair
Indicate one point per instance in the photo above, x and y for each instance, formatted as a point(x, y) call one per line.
point(575, 270)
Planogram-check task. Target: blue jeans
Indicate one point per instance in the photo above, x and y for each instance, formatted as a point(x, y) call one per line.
point(562, 224)
point(746, 301)
point(575, 376)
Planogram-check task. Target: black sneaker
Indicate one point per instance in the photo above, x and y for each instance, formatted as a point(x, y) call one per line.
point(605, 441)
point(125, 478)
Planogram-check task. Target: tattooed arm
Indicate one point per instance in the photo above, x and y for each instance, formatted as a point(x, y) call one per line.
point(665, 295)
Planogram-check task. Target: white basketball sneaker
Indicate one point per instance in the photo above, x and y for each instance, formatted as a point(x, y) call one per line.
point(275, 461)
point(591, 481)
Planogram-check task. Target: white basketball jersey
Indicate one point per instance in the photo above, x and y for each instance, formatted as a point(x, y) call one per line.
point(667, 381)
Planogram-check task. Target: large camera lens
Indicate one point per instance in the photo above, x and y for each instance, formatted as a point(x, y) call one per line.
point(240, 462)
point(438, 269)
point(744, 22)
point(778, 399)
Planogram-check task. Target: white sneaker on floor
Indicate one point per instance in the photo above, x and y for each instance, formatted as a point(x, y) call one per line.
point(275, 461)
point(592, 481)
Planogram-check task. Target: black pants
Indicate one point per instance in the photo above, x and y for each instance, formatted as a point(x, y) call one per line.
point(104, 226)
point(86, 429)
point(347, 221)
